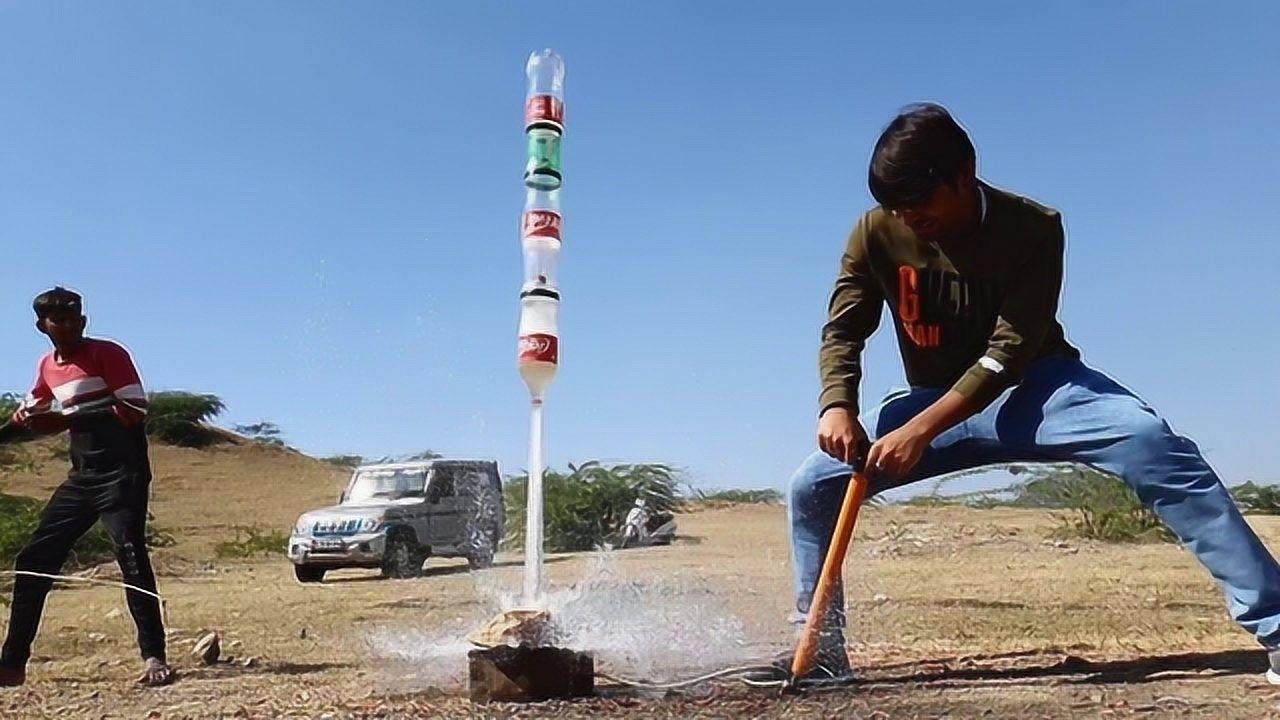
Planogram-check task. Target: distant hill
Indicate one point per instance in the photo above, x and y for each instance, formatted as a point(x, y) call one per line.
point(201, 496)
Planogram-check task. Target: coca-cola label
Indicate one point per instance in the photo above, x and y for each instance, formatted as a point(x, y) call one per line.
point(541, 223)
point(539, 347)
point(544, 109)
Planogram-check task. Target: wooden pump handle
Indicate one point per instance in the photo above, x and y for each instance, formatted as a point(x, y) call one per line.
point(807, 650)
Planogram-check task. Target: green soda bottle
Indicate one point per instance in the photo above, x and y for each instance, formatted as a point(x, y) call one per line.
point(542, 171)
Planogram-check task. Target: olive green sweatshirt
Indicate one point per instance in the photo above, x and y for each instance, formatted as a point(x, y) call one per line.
point(970, 316)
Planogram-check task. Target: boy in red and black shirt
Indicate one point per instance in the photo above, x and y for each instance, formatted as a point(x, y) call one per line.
point(91, 388)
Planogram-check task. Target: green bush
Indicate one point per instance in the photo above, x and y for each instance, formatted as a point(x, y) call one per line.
point(345, 461)
point(1096, 505)
point(726, 498)
point(934, 499)
point(267, 433)
point(251, 542)
point(179, 418)
point(1100, 507)
point(586, 507)
point(1257, 499)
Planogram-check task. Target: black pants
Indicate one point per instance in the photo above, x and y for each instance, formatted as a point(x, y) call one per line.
point(120, 501)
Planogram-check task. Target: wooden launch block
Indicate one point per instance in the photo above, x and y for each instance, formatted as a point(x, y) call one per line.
point(529, 674)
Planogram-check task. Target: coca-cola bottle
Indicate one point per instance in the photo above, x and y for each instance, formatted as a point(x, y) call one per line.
point(542, 169)
point(544, 103)
point(540, 237)
point(538, 353)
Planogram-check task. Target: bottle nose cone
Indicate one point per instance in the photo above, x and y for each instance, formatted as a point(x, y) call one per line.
point(547, 66)
point(544, 58)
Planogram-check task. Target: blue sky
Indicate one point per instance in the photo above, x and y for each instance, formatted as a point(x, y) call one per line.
point(310, 209)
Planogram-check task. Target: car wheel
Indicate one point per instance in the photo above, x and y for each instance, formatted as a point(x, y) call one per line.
point(403, 557)
point(479, 559)
point(308, 574)
point(484, 527)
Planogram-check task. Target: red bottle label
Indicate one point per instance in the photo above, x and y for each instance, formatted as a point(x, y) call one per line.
point(541, 223)
point(545, 109)
point(539, 347)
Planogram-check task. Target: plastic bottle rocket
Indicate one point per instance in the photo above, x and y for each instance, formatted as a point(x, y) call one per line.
point(541, 221)
point(538, 349)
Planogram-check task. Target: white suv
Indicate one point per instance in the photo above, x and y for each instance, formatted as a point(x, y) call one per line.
point(394, 516)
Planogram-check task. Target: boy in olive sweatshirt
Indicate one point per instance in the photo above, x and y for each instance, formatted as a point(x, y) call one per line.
point(972, 275)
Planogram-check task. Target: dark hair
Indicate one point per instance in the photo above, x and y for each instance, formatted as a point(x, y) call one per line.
point(57, 300)
point(921, 149)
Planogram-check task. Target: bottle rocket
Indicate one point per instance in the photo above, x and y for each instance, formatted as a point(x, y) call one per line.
point(538, 349)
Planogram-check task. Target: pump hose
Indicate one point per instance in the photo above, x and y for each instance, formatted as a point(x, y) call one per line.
point(92, 581)
point(739, 672)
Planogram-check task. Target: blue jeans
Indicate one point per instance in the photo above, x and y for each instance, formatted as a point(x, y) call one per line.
point(1062, 411)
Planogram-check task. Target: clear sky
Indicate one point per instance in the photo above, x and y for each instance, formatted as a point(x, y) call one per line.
point(310, 209)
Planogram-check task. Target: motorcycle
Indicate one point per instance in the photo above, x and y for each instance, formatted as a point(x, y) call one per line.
point(643, 528)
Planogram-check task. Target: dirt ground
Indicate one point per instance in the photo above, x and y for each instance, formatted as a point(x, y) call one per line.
point(954, 613)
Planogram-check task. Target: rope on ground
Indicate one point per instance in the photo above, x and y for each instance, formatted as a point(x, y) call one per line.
point(93, 581)
point(738, 672)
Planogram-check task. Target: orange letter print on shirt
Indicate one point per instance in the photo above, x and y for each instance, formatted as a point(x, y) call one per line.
point(922, 334)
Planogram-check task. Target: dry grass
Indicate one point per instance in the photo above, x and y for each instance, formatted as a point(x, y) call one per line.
point(954, 611)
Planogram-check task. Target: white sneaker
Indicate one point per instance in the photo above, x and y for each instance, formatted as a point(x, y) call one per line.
point(1273, 673)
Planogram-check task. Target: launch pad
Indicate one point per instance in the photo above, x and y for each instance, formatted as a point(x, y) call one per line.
point(529, 674)
point(516, 661)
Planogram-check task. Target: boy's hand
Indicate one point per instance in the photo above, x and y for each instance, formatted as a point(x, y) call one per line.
point(896, 454)
point(840, 435)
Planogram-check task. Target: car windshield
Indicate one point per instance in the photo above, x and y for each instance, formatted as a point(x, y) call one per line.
point(387, 483)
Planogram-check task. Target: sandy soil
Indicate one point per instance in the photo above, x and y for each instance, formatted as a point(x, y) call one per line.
point(954, 613)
